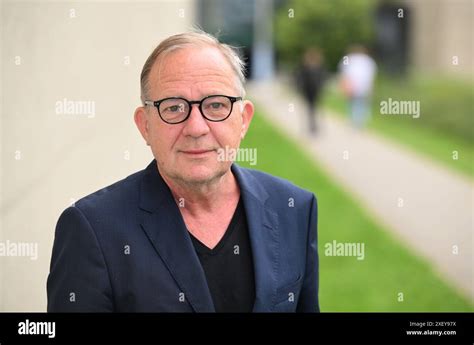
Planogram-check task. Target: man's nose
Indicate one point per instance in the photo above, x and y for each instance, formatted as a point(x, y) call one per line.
point(196, 125)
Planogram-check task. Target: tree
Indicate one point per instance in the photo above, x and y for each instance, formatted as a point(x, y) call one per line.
point(330, 25)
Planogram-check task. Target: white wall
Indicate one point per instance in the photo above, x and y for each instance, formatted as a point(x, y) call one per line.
point(65, 157)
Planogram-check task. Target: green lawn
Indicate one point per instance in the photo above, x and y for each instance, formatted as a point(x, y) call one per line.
point(347, 284)
point(445, 125)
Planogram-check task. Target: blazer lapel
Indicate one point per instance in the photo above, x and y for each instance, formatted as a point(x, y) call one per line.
point(264, 239)
point(164, 226)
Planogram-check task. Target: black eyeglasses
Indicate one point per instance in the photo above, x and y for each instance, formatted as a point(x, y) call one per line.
point(174, 110)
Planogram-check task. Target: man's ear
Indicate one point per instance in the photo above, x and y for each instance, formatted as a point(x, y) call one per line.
point(247, 115)
point(141, 120)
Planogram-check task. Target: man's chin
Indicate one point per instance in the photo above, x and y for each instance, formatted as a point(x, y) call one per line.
point(201, 174)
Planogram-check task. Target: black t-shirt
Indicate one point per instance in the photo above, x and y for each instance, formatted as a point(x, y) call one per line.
point(229, 266)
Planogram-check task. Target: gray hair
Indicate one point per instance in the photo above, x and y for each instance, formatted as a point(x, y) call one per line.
point(197, 38)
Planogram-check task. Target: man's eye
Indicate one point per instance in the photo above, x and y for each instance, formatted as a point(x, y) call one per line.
point(175, 108)
point(216, 105)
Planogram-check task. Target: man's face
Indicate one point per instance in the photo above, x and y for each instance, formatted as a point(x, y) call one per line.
point(188, 151)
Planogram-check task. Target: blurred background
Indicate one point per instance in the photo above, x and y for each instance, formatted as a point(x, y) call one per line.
point(368, 104)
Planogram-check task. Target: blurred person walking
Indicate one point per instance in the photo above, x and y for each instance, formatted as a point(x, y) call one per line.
point(357, 72)
point(310, 78)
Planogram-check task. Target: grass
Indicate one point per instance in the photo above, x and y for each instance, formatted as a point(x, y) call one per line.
point(445, 124)
point(347, 284)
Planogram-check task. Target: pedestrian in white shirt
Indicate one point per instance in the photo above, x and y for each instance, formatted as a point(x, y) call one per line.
point(357, 71)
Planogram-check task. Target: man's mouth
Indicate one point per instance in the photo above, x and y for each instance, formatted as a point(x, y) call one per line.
point(197, 152)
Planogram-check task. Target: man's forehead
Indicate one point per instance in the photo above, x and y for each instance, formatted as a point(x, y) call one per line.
point(192, 60)
point(205, 66)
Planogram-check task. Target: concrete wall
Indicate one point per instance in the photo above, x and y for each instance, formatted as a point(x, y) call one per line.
point(441, 29)
point(51, 51)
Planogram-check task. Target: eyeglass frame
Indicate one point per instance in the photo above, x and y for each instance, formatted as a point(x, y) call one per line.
point(157, 103)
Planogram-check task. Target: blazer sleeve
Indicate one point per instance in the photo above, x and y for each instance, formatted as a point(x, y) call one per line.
point(309, 300)
point(78, 280)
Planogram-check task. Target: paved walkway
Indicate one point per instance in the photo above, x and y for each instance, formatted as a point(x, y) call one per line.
point(427, 206)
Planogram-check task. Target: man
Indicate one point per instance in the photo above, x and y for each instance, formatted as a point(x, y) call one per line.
point(191, 232)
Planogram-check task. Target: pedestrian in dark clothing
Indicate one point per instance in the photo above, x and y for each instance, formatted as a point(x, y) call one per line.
point(310, 79)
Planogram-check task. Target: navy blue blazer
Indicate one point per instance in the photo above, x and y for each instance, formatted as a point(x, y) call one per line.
point(125, 248)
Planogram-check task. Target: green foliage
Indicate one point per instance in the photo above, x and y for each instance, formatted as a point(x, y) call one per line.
point(446, 104)
point(331, 25)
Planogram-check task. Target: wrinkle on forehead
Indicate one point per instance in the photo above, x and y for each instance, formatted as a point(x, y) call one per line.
point(192, 67)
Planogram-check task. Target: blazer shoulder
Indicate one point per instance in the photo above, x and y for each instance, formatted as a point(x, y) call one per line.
point(123, 192)
point(276, 186)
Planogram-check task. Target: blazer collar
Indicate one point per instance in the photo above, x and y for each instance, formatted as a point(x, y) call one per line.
point(165, 227)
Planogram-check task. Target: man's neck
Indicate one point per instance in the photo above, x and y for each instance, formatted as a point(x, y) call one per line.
point(204, 197)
